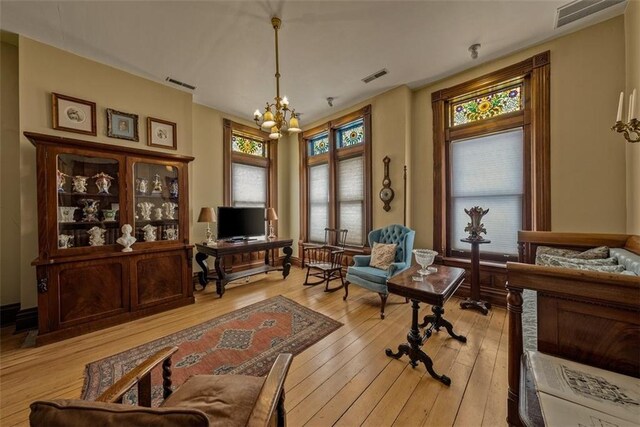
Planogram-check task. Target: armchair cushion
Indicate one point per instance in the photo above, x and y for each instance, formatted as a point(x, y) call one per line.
point(383, 255)
point(227, 400)
point(58, 413)
point(361, 260)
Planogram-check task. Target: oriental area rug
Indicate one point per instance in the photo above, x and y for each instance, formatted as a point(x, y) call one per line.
point(246, 341)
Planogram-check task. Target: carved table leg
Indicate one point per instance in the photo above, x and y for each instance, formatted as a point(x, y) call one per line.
point(286, 262)
point(220, 281)
point(436, 321)
point(413, 350)
point(202, 275)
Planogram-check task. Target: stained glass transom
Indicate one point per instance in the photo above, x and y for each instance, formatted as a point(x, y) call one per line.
point(350, 134)
point(485, 107)
point(319, 145)
point(241, 144)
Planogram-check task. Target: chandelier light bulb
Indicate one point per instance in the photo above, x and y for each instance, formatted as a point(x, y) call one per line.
point(285, 101)
point(257, 114)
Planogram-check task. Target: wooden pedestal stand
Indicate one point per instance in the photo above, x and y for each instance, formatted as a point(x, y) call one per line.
point(474, 300)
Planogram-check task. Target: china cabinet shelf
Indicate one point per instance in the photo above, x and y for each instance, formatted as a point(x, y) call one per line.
point(84, 280)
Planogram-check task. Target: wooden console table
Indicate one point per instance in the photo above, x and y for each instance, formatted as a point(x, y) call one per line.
point(221, 248)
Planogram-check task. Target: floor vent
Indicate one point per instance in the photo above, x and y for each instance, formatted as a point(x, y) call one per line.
point(179, 83)
point(581, 8)
point(375, 75)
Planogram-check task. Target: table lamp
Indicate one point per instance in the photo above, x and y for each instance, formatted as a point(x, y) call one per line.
point(271, 216)
point(207, 215)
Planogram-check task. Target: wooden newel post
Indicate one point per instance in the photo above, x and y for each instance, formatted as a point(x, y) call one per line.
point(514, 308)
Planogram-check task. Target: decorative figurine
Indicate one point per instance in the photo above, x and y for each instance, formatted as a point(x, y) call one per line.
point(109, 215)
point(145, 210)
point(80, 184)
point(157, 214)
point(142, 185)
point(173, 188)
point(103, 182)
point(475, 227)
point(171, 234)
point(157, 185)
point(169, 209)
point(96, 236)
point(126, 239)
point(65, 241)
point(149, 233)
point(61, 178)
point(66, 213)
point(90, 209)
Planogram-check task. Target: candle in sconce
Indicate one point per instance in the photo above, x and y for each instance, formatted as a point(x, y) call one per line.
point(632, 106)
point(620, 103)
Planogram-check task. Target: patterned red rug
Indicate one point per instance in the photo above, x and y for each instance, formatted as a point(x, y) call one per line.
point(245, 341)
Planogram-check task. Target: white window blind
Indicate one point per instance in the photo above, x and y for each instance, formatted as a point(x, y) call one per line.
point(318, 201)
point(351, 199)
point(249, 185)
point(488, 172)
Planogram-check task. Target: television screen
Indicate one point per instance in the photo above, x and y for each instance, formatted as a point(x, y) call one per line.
point(240, 222)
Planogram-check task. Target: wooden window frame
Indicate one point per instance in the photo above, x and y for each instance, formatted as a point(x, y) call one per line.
point(534, 119)
point(270, 161)
point(331, 158)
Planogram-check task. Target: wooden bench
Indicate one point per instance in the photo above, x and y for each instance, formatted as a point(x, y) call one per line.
point(584, 316)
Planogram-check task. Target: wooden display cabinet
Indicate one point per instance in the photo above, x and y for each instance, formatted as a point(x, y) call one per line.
point(86, 192)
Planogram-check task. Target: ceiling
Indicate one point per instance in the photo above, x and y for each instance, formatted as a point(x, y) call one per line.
point(226, 48)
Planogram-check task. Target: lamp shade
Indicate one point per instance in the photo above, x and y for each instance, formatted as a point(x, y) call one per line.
point(207, 215)
point(271, 214)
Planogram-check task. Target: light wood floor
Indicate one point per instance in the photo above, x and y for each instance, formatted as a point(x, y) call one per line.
point(343, 380)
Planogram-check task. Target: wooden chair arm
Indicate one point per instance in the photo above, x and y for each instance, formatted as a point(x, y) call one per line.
point(116, 391)
point(271, 397)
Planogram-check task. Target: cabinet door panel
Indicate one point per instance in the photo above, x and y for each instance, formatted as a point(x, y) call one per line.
point(91, 290)
point(159, 278)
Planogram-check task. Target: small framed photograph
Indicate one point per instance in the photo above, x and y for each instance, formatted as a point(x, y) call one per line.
point(161, 133)
point(73, 114)
point(122, 125)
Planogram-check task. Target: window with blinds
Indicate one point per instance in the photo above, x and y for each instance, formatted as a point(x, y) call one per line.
point(337, 160)
point(487, 171)
point(249, 186)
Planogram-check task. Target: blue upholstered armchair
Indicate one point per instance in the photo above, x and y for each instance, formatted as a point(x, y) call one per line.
point(373, 278)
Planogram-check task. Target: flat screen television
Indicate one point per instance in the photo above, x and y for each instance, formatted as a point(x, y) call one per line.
point(240, 222)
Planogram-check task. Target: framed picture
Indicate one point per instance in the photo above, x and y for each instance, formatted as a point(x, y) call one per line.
point(161, 133)
point(122, 125)
point(73, 114)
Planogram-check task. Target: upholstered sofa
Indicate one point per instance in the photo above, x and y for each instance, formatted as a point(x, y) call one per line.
point(590, 317)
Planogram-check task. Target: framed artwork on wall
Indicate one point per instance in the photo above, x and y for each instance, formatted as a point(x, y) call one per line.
point(161, 133)
point(73, 114)
point(122, 125)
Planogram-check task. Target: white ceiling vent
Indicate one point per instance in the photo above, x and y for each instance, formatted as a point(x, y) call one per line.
point(179, 83)
point(581, 8)
point(375, 75)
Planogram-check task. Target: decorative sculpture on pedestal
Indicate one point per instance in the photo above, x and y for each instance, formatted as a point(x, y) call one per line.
point(80, 184)
point(475, 227)
point(157, 185)
point(126, 239)
point(103, 182)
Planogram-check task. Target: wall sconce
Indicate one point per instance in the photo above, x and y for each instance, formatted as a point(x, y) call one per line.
point(632, 126)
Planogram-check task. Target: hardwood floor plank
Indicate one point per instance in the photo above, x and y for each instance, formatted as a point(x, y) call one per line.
point(343, 379)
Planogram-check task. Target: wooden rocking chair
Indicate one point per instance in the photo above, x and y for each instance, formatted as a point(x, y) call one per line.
point(203, 400)
point(325, 261)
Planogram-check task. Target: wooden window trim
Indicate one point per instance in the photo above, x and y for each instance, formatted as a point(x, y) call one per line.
point(332, 158)
point(270, 161)
point(535, 73)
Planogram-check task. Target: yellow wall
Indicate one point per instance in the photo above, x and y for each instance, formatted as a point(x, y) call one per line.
point(587, 159)
point(45, 69)
point(632, 29)
point(9, 175)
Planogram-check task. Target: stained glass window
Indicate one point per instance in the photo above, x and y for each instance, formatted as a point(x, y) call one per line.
point(485, 107)
point(350, 134)
point(242, 144)
point(319, 144)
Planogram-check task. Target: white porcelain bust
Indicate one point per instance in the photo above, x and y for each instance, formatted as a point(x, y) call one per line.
point(126, 239)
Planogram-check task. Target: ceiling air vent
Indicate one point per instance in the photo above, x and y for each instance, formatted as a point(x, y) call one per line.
point(375, 75)
point(581, 8)
point(179, 83)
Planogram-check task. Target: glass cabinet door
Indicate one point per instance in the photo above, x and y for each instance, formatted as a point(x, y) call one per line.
point(88, 195)
point(156, 202)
